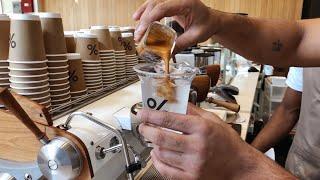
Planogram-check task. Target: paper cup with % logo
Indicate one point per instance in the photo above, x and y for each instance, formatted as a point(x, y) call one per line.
point(152, 77)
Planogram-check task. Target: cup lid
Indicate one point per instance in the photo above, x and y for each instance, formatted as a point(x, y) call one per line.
point(26, 17)
point(40, 98)
point(81, 34)
point(59, 79)
point(59, 73)
point(99, 27)
point(127, 34)
point(48, 14)
point(127, 28)
point(64, 99)
point(4, 17)
point(27, 69)
point(114, 28)
point(69, 33)
point(73, 56)
point(59, 95)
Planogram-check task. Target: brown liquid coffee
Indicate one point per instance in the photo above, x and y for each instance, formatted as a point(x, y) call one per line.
point(158, 45)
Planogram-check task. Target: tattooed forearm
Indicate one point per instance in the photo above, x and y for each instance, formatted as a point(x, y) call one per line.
point(277, 46)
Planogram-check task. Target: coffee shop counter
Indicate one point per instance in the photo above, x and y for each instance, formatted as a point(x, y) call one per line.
point(104, 108)
point(247, 84)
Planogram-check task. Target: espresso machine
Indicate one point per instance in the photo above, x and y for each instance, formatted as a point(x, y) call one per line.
point(82, 147)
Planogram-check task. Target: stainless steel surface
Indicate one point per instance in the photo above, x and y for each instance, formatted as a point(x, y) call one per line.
point(108, 127)
point(6, 176)
point(81, 102)
point(60, 159)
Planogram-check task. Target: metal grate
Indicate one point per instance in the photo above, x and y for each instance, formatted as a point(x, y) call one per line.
point(151, 174)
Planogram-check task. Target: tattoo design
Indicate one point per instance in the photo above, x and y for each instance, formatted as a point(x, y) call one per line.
point(276, 46)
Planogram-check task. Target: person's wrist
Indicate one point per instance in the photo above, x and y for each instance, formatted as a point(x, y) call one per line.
point(215, 21)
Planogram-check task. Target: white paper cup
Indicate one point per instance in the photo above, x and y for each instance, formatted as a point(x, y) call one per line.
point(56, 87)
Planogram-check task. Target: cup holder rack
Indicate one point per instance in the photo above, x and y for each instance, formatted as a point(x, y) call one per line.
point(78, 103)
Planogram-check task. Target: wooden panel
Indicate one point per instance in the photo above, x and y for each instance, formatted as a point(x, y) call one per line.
point(79, 14)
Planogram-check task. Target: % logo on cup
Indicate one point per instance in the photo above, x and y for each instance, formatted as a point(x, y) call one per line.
point(93, 49)
point(152, 104)
point(12, 43)
point(127, 46)
point(73, 77)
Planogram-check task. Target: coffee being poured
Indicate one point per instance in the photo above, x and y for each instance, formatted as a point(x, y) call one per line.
point(157, 45)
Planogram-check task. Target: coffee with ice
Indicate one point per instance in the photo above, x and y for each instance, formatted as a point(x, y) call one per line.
point(164, 86)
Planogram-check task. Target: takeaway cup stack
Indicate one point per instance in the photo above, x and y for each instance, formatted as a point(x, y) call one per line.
point(4, 50)
point(106, 53)
point(131, 55)
point(78, 86)
point(27, 59)
point(88, 47)
point(120, 53)
point(56, 52)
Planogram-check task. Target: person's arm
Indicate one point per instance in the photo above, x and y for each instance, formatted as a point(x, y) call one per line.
point(276, 42)
point(207, 148)
point(281, 123)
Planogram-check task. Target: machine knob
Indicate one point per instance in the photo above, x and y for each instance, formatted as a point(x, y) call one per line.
point(60, 159)
point(6, 176)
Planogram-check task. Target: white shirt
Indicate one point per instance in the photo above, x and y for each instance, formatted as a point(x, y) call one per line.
point(295, 78)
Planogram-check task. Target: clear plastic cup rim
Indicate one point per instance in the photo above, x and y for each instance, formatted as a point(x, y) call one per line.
point(162, 75)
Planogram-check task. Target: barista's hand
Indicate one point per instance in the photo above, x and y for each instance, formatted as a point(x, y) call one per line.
point(207, 148)
point(192, 15)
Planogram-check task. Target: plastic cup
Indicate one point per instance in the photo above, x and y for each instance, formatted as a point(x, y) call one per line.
point(151, 81)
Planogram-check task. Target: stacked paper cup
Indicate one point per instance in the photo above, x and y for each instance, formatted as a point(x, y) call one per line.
point(70, 41)
point(78, 86)
point(56, 52)
point(88, 47)
point(131, 55)
point(128, 29)
point(27, 59)
point(4, 50)
point(106, 53)
point(120, 53)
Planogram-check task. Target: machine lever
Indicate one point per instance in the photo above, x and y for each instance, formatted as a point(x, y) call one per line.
point(7, 99)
